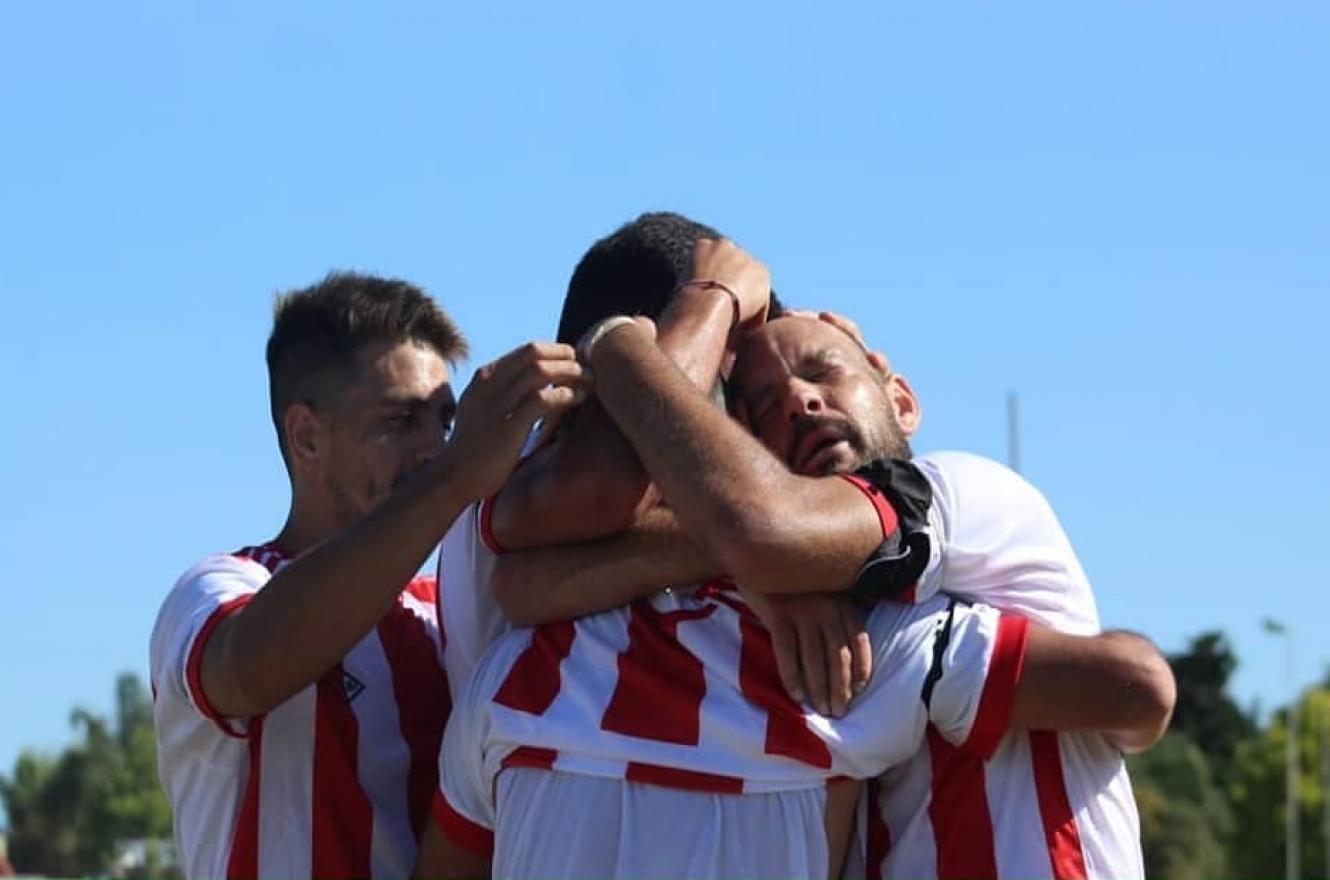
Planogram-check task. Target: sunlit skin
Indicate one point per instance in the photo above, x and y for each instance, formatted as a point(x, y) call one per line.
point(349, 453)
point(810, 393)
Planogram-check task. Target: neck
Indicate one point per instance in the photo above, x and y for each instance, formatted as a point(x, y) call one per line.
point(307, 525)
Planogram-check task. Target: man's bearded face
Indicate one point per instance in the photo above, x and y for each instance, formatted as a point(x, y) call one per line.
point(808, 391)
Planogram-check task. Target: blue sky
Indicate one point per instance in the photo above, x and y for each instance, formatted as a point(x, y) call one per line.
point(1118, 210)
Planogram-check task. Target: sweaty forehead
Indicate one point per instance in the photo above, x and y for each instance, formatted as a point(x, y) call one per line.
point(783, 343)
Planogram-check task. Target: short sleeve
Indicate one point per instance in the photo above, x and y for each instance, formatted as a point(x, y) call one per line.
point(464, 805)
point(202, 598)
point(469, 615)
point(1004, 544)
point(971, 686)
point(939, 663)
point(902, 498)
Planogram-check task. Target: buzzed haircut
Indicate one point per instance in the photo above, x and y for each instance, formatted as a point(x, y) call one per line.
point(633, 271)
point(319, 331)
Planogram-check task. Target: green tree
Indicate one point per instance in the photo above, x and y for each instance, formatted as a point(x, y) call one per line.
point(67, 812)
point(1258, 793)
point(1205, 712)
point(1185, 819)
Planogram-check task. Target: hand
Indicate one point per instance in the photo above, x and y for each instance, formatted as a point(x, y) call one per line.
point(848, 327)
point(719, 259)
point(504, 400)
point(823, 652)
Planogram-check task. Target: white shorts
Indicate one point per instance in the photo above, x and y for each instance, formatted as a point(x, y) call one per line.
point(557, 825)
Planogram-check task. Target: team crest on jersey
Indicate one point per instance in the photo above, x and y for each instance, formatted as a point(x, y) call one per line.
point(351, 686)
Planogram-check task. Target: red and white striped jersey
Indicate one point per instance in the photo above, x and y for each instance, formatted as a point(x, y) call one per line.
point(681, 690)
point(334, 782)
point(468, 612)
point(1045, 804)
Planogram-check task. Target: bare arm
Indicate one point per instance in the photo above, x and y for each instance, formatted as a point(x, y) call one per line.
point(315, 610)
point(562, 583)
point(441, 858)
point(1116, 683)
point(589, 483)
point(842, 806)
point(772, 530)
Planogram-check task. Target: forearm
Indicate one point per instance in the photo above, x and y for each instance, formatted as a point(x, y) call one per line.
point(1116, 683)
point(562, 583)
point(592, 484)
point(316, 608)
point(772, 530)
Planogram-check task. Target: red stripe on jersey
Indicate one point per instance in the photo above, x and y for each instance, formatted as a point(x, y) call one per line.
point(661, 684)
point(475, 839)
point(268, 555)
point(487, 525)
point(886, 514)
point(962, 826)
point(533, 682)
point(879, 835)
point(424, 588)
point(787, 732)
point(243, 862)
point(420, 688)
point(688, 780)
point(530, 756)
point(343, 819)
point(194, 663)
point(1060, 830)
point(999, 694)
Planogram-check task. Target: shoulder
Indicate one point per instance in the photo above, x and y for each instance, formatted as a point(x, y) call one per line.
point(208, 584)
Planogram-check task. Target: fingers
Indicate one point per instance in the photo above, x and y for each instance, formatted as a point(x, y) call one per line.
point(547, 401)
point(812, 653)
point(838, 660)
point(843, 324)
point(502, 371)
point(786, 648)
point(861, 647)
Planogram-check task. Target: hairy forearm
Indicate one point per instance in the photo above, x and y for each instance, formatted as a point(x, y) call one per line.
point(772, 530)
point(591, 484)
point(1116, 683)
point(562, 583)
point(316, 608)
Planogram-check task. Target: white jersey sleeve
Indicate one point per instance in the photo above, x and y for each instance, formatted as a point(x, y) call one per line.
point(947, 665)
point(468, 612)
point(199, 601)
point(1003, 545)
point(464, 806)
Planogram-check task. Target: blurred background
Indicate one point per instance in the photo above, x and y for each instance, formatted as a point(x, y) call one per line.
point(1097, 230)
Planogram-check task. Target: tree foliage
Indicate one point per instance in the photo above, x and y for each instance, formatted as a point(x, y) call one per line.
point(66, 812)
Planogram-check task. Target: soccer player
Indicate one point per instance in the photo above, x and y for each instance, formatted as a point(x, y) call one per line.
point(573, 753)
point(1044, 804)
point(299, 696)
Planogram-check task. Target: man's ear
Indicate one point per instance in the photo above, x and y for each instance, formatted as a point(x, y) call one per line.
point(904, 403)
point(304, 434)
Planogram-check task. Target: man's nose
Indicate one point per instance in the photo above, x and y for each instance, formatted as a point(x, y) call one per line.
point(801, 399)
point(429, 446)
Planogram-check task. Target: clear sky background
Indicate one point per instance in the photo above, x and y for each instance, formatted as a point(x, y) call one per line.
point(1121, 211)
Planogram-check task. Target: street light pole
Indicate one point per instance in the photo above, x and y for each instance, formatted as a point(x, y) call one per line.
point(1013, 432)
point(1291, 824)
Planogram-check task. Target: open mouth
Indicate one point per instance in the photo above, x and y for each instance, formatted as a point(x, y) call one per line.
point(819, 448)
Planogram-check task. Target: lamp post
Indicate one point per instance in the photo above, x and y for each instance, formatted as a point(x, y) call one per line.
point(1291, 851)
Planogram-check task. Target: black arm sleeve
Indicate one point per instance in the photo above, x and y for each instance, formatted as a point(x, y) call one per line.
point(892, 570)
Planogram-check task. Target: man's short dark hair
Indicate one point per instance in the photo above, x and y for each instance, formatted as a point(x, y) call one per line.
point(319, 331)
point(632, 271)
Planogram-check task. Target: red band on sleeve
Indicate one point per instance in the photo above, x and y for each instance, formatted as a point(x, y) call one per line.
point(194, 663)
point(886, 514)
point(999, 695)
point(487, 526)
point(475, 839)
